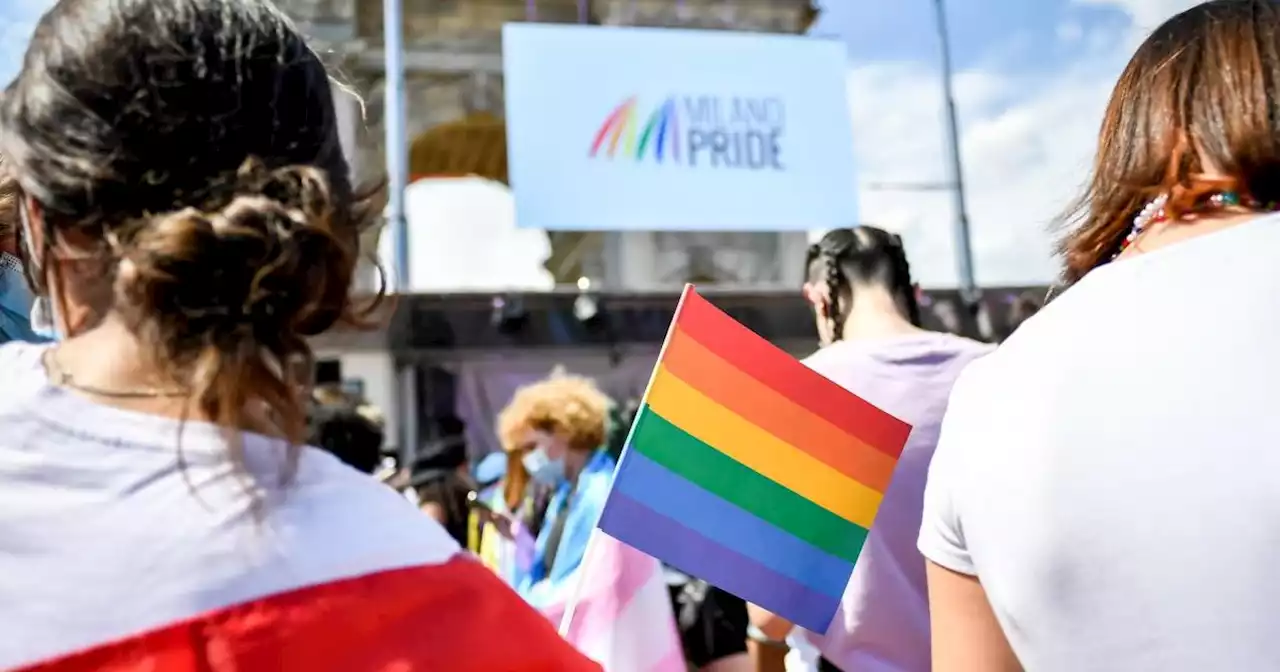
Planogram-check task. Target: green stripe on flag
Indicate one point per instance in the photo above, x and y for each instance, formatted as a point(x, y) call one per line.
point(721, 475)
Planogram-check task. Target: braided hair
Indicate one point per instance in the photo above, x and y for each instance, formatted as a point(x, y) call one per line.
point(865, 255)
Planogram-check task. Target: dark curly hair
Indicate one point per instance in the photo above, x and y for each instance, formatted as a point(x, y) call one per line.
point(189, 149)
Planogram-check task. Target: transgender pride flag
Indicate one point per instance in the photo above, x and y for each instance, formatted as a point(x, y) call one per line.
point(623, 619)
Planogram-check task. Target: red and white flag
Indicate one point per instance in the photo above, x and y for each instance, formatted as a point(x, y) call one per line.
point(451, 616)
point(337, 574)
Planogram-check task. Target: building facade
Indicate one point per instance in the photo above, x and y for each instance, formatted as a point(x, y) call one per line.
point(455, 105)
point(454, 87)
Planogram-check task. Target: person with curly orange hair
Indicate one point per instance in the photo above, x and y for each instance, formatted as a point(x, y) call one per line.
point(16, 299)
point(553, 432)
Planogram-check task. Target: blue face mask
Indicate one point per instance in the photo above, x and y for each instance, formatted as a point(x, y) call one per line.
point(543, 469)
point(16, 303)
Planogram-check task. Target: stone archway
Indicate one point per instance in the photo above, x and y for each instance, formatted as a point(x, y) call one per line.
point(477, 145)
point(473, 145)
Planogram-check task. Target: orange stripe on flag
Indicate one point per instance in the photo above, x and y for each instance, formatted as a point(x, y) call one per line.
point(776, 414)
point(455, 616)
point(768, 364)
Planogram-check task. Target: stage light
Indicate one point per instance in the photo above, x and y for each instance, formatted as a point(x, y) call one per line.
point(586, 307)
point(509, 314)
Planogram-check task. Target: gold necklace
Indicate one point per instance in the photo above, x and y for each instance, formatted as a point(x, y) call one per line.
point(61, 378)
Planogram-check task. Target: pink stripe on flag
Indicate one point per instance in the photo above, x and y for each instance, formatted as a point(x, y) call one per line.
point(624, 619)
point(615, 576)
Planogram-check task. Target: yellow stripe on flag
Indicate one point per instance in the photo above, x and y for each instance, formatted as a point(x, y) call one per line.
point(696, 414)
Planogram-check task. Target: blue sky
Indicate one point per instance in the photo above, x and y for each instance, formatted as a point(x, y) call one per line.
point(1032, 79)
point(985, 33)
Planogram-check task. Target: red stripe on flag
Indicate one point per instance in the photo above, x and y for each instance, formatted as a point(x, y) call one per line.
point(454, 617)
point(769, 364)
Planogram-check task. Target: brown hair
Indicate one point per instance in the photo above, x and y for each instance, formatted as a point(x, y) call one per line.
point(190, 147)
point(563, 405)
point(1195, 112)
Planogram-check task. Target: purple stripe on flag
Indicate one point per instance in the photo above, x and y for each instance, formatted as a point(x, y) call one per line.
point(633, 523)
point(725, 524)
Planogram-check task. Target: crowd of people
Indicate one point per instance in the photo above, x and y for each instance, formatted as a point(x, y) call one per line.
point(177, 219)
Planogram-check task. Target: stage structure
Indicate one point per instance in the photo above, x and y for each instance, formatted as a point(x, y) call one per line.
point(468, 352)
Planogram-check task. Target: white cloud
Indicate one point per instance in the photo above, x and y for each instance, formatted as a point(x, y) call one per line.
point(1027, 144)
point(1023, 161)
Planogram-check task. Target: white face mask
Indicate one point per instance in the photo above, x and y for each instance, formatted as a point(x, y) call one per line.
point(44, 315)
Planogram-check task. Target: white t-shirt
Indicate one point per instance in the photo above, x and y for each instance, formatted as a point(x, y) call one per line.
point(110, 527)
point(1112, 473)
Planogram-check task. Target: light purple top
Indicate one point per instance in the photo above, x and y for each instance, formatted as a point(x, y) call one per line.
point(883, 621)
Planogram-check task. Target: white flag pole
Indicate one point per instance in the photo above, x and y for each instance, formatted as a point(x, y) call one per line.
point(593, 542)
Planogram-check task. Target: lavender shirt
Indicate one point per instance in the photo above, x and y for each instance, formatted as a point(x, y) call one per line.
point(883, 622)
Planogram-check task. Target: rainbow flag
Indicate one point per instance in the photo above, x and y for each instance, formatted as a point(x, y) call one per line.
point(751, 471)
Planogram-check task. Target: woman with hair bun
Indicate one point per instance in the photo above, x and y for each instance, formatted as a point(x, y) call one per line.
point(189, 222)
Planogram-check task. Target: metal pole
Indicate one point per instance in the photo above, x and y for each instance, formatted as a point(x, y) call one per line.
point(963, 244)
point(397, 148)
point(407, 372)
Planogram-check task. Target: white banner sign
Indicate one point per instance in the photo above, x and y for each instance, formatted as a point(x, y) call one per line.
point(620, 129)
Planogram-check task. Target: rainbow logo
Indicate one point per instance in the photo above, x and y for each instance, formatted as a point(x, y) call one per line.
point(660, 136)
